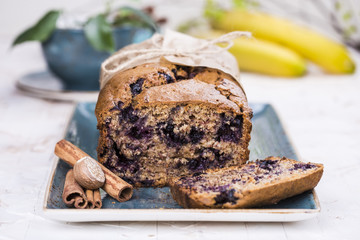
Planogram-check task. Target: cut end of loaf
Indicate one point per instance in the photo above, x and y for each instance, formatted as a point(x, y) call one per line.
point(149, 145)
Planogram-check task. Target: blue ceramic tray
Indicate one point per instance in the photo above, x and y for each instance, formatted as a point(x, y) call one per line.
point(148, 204)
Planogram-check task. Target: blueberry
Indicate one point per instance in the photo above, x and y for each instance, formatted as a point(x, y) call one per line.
point(178, 165)
point(226, 134)
point(198, 164)
point(169, 129)
point(230, 131)
point(193, 164)
point(169, 79)
point(167, 132)
point(117, 106)
point(136, 87)
point(257, 178)
point(267, 164)
point(226, 196)
point(128, 114)
point(140, 132)
point(237, 122)
point(303, 166)
point(195, 135)
point(175, 109)
point(236, 180)
point(219, 159)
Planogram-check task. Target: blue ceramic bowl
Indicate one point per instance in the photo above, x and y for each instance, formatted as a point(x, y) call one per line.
point(70, 56)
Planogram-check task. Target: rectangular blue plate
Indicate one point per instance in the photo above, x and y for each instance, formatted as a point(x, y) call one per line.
point(268, 138)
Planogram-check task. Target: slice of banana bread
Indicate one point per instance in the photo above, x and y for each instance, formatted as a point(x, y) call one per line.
point(256, 183)
point(162, 120)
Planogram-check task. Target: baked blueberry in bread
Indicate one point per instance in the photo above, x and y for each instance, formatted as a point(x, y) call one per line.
point(253, 184)
point(161, 120)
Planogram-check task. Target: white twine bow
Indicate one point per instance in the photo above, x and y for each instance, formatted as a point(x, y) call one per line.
point(121, 60)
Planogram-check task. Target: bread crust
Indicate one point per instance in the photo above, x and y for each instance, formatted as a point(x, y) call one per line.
point(117, 88)
point(187, 91)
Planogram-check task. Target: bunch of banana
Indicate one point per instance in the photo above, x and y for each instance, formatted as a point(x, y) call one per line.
point(261, 56)
point(280, 45)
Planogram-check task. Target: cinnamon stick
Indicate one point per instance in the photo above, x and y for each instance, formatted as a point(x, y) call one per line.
point(97, 199)
point(90, 196)
point(114, 186)
point(94, 199)
point(73, 194)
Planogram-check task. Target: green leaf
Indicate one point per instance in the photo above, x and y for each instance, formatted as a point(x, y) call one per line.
point(240, 3)
point(337, 5)
point(245, 4)
point(192, 25)
point(99, 33)
point(134, 17)
point(347, 16)
point(212, 11)
point(41, 31)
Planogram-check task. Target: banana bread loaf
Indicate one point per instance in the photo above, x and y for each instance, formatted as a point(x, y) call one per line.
point(254, 184)
point(161, 120)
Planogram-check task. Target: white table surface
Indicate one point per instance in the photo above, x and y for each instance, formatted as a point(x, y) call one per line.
point(321, 113)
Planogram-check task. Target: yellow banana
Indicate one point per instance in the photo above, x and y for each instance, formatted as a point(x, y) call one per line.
point(331, 56)
point(264, 57)
point(268, 58)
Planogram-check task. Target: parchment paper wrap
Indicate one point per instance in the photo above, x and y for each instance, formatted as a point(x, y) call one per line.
point(176, 48)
